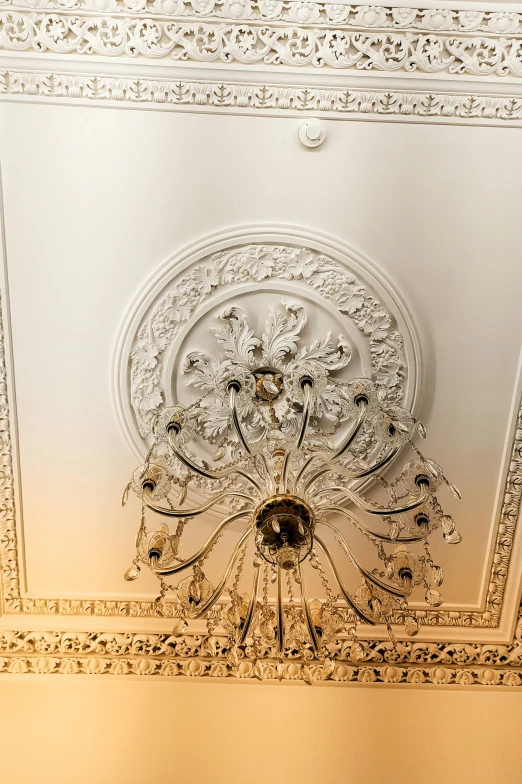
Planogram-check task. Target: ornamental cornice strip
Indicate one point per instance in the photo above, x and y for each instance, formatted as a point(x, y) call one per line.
point(95, 653)
point(364, 17)
point(262, 45)
point(175, 94)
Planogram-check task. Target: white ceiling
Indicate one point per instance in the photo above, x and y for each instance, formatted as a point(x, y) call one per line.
point(95, 200)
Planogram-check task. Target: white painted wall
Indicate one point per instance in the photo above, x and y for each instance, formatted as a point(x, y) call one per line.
point(63, 730)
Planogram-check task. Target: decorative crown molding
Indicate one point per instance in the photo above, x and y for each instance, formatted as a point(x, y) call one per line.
point(102, 653)
point(262, 44)
point(176, 94)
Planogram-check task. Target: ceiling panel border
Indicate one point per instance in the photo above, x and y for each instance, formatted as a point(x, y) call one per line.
point(15, 603)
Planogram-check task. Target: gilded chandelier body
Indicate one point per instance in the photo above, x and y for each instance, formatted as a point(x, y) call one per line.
point(295, 448)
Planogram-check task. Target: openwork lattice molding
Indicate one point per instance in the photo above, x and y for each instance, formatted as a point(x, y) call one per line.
point(179, 95)
point(362, 17)
point(101, 653)
point(262, 44)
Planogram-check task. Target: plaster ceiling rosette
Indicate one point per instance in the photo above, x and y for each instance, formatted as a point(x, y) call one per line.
point(226, 294)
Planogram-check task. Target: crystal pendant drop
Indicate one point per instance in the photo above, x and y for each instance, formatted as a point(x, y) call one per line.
point(448, 524)
point(232, 657)
point(421, 430)
point(179, 627)
point(453, 538)
point(328, 669)
point(306, 675)
point(434, 598)
point(411, 626)
point(391, 635)
point(259, 670)
point(234, 616)
point(267, 631)
point(195, 591)
point(395, 530)
point(454, 490)
point(132, 573)
point(438, 574)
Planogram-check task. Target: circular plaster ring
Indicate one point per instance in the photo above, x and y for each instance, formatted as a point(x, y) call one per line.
point(312, 132)
point(280, 261)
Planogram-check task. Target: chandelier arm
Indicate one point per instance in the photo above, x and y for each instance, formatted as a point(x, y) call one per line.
point(203, 471)
point(391, 589)
point(280, 619)
point(251, 608)
point(348, 599)
point(307, 613)
point(342, 471)
point(357, 523)
point(307, 388)
point(424, 493)
point(214, 596)
point(155, 569)
point(352, 435)
point(232, 392)
point(344, 446)
point(379, 464)
point(196, 510)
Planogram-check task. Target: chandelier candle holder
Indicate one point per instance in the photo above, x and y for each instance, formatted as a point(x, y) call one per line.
point(295, 450)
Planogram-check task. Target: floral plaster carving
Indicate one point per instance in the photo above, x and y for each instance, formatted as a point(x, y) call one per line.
point(252, 264)
point(254, 98)
point(250, 44)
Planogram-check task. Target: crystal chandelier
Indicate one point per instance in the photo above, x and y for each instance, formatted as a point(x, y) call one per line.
point(294, 447)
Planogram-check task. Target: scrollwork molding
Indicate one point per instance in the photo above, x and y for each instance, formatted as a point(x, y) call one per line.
point(251, 44)
point(102, 653)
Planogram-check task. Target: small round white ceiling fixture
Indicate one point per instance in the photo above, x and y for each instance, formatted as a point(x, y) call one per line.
point(312, 132)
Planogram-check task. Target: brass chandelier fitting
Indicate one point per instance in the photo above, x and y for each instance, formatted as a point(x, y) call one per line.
point(294, 487)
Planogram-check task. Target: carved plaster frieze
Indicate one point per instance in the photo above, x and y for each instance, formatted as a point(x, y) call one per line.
point(262, 44)
point(433, 20)
point(254, 99)
point(102, 653)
